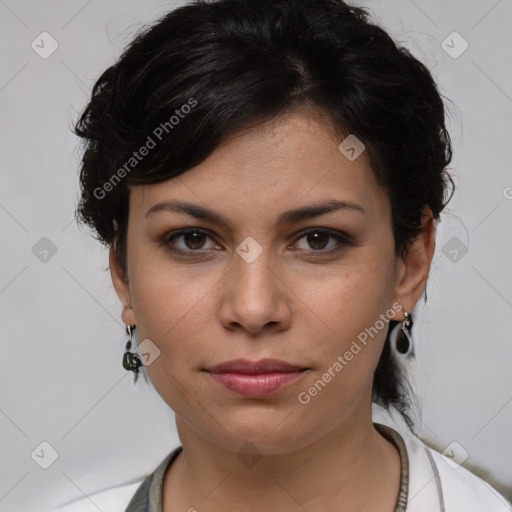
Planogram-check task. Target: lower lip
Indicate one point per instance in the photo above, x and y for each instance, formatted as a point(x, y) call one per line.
point(261, 385)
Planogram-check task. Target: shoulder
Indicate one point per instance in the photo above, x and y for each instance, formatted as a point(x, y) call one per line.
point(131, 497)
point(464, 489)
point(114, 500)
point(437, 481)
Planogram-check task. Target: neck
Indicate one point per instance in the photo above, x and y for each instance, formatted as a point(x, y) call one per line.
point(351, 464)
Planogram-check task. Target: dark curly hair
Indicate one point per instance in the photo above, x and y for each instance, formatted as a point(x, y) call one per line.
point(212, 68)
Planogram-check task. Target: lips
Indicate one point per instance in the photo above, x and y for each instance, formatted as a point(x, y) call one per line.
point(256, 379)
point(255, 368)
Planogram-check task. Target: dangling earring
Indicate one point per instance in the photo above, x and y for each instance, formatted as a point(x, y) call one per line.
point(131, 361)
point(402, 339)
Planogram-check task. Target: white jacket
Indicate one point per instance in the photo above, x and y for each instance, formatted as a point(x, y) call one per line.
point(436, 484)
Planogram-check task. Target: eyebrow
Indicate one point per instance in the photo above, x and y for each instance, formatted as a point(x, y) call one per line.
point(288, 217)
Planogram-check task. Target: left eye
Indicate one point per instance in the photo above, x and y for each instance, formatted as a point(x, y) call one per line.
point(317, 239)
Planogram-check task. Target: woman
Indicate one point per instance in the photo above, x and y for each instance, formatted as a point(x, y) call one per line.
point(268, 176)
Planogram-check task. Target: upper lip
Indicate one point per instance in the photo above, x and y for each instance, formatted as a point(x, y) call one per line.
point(254, 367)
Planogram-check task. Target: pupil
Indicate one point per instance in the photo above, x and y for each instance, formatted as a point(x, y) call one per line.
point(196, 238)
point(314, 238)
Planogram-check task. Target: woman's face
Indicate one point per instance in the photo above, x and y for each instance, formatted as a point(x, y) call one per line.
point(251, 287)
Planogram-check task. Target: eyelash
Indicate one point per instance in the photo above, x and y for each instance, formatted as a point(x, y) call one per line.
point(344, 240)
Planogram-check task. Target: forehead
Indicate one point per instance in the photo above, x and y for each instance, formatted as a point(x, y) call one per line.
point(293, 160)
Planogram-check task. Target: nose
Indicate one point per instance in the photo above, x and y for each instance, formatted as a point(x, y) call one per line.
point(255, 297)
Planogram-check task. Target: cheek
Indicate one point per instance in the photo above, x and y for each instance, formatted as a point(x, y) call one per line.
point(343, 377)
point(174, 308)
point(164, 293)
point(347, 300)
point(349, 320)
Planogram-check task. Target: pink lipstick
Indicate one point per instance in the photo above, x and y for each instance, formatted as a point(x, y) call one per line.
point(255, 379)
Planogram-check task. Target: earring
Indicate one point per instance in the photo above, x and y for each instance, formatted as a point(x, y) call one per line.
point(131, 361)
point(402, 338)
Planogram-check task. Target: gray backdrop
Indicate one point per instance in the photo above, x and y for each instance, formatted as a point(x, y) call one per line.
point(62, 383)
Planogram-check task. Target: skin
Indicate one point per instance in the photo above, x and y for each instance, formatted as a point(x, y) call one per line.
point(293, 302)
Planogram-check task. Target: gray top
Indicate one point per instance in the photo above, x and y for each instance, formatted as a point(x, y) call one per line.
point(148, 497)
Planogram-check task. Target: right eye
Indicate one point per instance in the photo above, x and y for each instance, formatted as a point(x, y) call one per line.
point(193, 239)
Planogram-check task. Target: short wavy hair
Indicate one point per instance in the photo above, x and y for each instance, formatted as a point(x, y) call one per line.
point(212, 68)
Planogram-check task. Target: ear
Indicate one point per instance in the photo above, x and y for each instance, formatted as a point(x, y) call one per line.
point(121, 286)
point(412, 271)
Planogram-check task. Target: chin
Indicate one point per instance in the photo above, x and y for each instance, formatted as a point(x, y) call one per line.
point(271, 434)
